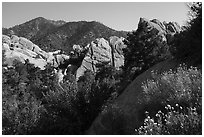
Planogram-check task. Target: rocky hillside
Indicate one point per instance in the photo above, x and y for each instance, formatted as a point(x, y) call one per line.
point(97, 53)
point(72, 33)
point(34, 28)
point(53, 35)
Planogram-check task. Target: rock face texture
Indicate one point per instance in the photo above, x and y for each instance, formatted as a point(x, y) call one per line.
point(160, 32)
point(154, 31)
point(117, 47)
point(101, 52)
point(21, 49)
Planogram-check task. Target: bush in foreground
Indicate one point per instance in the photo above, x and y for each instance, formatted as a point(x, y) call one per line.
point(177, 99)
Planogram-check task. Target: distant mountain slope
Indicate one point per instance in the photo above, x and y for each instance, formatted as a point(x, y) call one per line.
point(34, 27)
point(71, 33)
point(53, 35)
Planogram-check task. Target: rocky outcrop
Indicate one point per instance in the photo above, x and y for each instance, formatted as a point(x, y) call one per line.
point(117, 47)
point(149, 32)
point(101, 52)
point(157, 27)
point(158, 35)
point(21, 49)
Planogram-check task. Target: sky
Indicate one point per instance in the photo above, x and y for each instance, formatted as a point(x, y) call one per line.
point(117, 15)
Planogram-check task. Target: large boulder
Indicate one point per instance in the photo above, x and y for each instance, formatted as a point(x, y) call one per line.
point(6, 39)
point(99, 53)
point(14, 39)
point(26, 43)
point(5, 47)
point(22, 49)
point(22, 56)
point(127, 113)
point(117, 47)
point(157, 34)
point(171, 28)
point(157, 28)
point(154, 29)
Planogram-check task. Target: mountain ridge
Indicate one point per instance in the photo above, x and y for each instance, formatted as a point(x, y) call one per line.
point(51, 35)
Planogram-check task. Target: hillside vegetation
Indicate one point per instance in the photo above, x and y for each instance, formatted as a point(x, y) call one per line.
point(164, 98)
point(153, 93)
point(54, 35)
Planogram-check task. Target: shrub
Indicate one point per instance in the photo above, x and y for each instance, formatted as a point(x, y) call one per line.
point(181, 86)
point(72, 106)
point(173, 88)
point(94, 91)
point(61, 115)
point(144, 49)
point(114, 120)
point(35, 103)
point(188, 44)
point(21, 110)
point(174, 122)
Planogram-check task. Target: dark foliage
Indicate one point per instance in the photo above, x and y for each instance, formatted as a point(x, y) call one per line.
point(35, 103)
point(21, 108)
point(143, 51)
point(95, 92)
point(188, 44)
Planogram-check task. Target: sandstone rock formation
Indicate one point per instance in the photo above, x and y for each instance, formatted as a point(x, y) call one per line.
point(6, 39)
point(100, 52)
point(157, 34)
point(14, 50)
point(103, 52)
point(117, 47)
point(21, 49)
point(159, 28)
